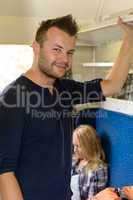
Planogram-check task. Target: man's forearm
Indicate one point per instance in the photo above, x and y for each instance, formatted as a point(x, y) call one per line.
point(9, 187)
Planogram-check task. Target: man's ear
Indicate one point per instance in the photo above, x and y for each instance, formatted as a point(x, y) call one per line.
point(36, 47)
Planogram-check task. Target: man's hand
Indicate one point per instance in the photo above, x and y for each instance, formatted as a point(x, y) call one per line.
point(106, 194)
point(127, 27)
point(9, 187)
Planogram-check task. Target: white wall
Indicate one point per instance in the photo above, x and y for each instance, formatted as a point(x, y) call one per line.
point(108, 51)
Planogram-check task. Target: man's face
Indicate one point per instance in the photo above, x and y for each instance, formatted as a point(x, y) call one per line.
point(56, 53)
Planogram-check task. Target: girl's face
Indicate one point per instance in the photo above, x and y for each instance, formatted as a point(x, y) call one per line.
point(78, 152)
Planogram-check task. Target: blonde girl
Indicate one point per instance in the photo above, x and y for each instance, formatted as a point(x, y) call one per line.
point(90, 168)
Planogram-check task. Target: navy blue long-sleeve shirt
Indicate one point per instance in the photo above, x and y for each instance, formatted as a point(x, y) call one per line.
point(35, 134)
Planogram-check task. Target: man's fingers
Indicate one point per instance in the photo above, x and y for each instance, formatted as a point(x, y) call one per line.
point(128, 28)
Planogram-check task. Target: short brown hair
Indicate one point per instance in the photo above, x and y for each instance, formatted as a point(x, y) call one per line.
point(65, 23)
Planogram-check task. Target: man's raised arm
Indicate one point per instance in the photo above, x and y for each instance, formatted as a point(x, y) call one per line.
point(118, 74)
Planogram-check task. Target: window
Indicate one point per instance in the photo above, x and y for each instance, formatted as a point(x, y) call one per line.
point(14, 60)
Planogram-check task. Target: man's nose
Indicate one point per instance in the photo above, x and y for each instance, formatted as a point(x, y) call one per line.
point(64, 57)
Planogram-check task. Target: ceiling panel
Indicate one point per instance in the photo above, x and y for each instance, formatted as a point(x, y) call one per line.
point(114, 6)
point(22, 16)
point(81, 9)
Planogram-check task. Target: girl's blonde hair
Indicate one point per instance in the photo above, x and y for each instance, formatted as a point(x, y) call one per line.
point(90, 145)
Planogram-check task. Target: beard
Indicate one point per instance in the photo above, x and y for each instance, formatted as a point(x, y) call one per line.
point(47, 72)
point(46, 69)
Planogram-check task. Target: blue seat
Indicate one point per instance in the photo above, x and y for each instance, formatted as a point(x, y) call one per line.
point(116, 133)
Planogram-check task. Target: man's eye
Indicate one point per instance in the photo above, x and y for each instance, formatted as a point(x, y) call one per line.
point(70, 53)
point(57, 50)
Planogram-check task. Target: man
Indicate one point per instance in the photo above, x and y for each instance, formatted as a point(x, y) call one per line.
point(35, 114)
